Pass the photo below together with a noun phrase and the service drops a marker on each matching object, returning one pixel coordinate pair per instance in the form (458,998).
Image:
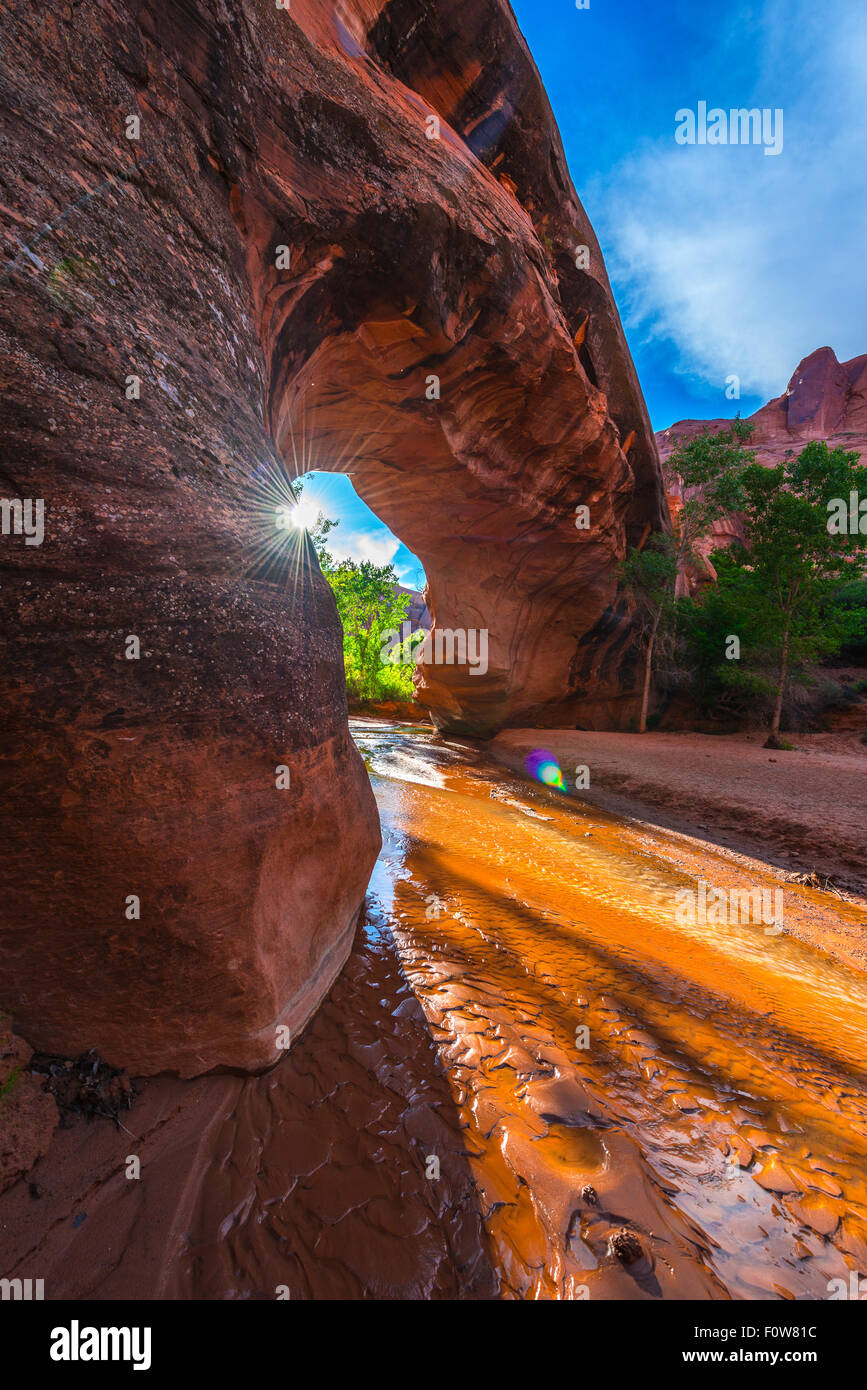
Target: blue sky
(724,261)
(360,535)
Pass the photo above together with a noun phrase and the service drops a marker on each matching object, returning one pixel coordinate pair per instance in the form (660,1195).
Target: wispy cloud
(360,534)
(740,263)
(378,547)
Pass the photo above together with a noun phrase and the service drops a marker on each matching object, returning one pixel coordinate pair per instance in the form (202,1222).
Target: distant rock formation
(825,399)
(239,239)
(417,614)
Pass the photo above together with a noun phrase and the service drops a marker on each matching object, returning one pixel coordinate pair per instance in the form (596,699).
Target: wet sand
(309,1178)
(804,809)
(720,1109)
(715,1108)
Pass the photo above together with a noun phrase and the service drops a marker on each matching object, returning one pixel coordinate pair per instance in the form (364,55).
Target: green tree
(786,577)
(369,606)
(852,597)
(649,577)
(709,468)
(707,623)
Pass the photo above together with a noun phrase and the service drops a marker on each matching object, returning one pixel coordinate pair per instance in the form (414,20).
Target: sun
(302,516)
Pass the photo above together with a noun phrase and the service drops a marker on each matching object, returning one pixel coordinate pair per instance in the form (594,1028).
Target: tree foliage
(792,594)
(780,592)
(368,605)
(710,468)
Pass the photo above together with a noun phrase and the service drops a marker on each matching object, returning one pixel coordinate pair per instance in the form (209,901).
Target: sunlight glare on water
(702,1087)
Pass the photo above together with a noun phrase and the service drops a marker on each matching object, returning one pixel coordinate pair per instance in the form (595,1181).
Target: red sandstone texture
(825,399)
(28,1116)
(279,263)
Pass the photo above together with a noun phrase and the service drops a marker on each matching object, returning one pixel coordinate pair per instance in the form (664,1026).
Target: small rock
(686,1103)
(625,1245)
(589,1195)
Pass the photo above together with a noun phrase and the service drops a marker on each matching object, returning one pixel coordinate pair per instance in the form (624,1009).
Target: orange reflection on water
(703,1087)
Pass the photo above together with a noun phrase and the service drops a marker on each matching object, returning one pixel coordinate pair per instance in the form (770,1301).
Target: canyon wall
(238,242)
(825,399)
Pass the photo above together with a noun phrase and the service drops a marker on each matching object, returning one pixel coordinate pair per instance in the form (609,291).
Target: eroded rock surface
(825,399)
(28,1116)
(311,1181)
(165,365)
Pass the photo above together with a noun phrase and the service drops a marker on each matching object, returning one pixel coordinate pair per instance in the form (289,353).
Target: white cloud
(743,262)
(379,548)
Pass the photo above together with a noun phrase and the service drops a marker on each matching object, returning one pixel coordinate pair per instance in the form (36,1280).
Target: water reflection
(703,1087)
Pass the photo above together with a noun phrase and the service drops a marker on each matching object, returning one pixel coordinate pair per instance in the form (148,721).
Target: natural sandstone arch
(466,272)
(154,778)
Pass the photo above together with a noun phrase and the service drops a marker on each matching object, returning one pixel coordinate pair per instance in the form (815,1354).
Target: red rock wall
(539,409)
(156,258)
(825,399)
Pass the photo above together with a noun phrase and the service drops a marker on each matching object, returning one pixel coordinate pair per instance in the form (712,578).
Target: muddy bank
(803,809)
(623,1106)
(310,1177)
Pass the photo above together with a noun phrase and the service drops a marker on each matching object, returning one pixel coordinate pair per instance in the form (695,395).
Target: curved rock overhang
(174,905)
(449,338)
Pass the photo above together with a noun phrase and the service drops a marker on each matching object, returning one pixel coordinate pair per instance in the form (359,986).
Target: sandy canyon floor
(530,1081)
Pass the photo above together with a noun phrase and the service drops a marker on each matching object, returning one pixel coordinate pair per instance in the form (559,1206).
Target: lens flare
(544,767)
(304,516)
